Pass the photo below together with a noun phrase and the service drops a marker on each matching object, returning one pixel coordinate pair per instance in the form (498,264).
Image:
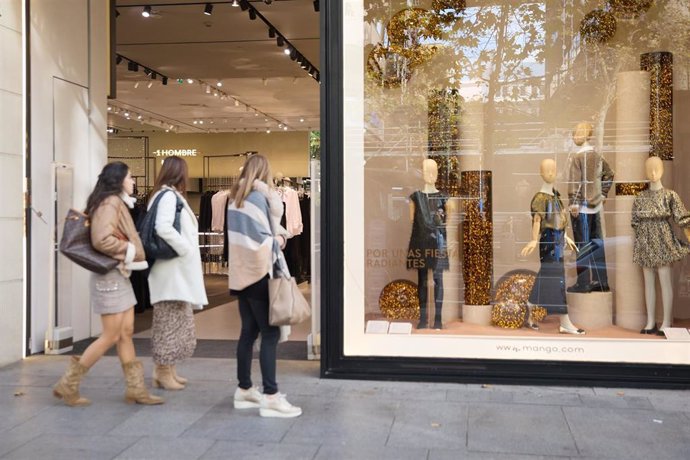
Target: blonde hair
(256,167)
(582,133)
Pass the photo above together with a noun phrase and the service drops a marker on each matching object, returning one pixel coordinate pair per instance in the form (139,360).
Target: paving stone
(474,395)
(10,440)
(442,454)
(223,450)
(617,402)
(223,422)
(335,452)
(158,421)
(543,397)
(166,448)
(430,425)
(343,422)
(519,429)
(629,434)
(70,447)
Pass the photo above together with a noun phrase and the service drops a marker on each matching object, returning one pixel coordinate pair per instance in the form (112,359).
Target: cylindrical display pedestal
(632,150)
(477,314)
(591,311)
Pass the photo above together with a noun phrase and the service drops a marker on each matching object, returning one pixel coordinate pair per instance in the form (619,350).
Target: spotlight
(271,33)
(136,85)
(147,11)
(268,131)
(237,103)
(244,5)
(316,5)
(126,114)
(150,84)
(280,41)
(201,122)
(235,3)
(118,59)
(268,2)
(208,9)
(316,75)
(190,81)
(132,66)
(252,14)
(285,128)
(148,72)
(117,14)
(110,108)
(208,89)
(301,120)
(196,122)
(153,75)
(219,84)
(293,54)
(287,51)
(165,81)
(139,117)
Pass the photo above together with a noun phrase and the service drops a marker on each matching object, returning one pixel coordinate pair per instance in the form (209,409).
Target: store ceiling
(179,41)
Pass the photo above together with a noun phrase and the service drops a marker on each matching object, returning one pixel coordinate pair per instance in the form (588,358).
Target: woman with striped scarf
(255,239)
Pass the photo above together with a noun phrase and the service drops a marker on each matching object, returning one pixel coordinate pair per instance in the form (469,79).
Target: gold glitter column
(477,229)
(631,151)
(660,67)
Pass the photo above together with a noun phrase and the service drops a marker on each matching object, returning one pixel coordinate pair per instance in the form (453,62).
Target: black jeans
(254,313)
(591,259)
(422,290)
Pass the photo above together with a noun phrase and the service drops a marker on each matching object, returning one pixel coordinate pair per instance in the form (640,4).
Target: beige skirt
(111,293)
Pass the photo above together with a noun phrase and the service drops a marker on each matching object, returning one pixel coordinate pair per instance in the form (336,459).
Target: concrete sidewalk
(342,419)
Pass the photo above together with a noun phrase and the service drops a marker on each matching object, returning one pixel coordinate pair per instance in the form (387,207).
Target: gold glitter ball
(509,314)
(538,314)
(629,9)
(598,26)
(516,287)
(399,300)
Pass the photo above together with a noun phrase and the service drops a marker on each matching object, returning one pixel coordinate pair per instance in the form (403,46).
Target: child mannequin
(656,246)
(549,220)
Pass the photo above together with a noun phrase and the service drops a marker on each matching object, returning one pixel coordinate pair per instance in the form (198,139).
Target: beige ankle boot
(136,389)
(179,379)
(67,387)
(163,377)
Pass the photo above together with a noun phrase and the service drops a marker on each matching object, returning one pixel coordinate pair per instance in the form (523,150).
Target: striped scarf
(253,251)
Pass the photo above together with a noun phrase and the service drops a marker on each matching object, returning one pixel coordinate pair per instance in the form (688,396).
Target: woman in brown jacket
(113,233)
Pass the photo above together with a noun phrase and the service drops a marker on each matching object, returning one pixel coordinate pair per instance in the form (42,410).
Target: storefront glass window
(500,201)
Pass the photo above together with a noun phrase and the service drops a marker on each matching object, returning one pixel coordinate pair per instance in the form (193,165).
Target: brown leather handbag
(76,244)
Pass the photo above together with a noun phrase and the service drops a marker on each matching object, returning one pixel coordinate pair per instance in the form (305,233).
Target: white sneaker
(247,399)
(278,406)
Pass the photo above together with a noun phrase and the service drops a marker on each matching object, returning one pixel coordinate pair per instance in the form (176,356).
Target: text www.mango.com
(539,349)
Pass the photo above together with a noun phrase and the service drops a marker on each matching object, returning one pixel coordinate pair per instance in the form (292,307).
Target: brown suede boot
(67,387)
(179,379)
(136,389)
(163,377)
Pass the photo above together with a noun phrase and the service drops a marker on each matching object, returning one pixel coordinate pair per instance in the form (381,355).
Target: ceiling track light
(118,59)
(132,66)
(252,14)
(147,11)
(235,3)
(316,6)
(165,81)
(219,84)
(268,2)
(244,5)
(208,9)
(271,32)
(293,54)
(280,41)
(287,51)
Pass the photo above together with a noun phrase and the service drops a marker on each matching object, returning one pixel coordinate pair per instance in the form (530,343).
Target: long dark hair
(173,174)
(109,183)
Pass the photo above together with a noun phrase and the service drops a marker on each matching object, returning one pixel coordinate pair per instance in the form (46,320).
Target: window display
(465,125)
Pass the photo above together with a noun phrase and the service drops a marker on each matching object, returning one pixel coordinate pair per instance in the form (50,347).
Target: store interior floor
(220,320)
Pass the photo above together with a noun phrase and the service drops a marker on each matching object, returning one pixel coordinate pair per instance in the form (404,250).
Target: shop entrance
(214,82)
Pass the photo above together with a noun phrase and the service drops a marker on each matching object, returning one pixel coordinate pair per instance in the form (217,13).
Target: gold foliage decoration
(630,188)
(444,138)
(598,26)
(660,66)
(399,299)
(629,9)
(477,237)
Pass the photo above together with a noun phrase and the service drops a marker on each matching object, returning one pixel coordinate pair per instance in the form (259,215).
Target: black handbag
(76,244)
(155,246)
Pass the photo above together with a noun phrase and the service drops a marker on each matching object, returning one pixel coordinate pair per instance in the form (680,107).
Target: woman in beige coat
(112,233)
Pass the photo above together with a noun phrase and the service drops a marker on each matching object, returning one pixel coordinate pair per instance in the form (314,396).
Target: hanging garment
(293,214)
(428,244)
(218,207)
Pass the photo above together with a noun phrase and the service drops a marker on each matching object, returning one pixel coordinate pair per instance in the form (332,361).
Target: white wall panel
(11,345)
(11,183)
(10,60)
(10,122)
(11,174)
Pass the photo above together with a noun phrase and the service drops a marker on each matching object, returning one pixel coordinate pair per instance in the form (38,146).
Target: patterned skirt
(174,337)
(656,245)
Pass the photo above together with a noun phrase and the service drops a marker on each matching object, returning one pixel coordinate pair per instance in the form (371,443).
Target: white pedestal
(591,311)
(477,314)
